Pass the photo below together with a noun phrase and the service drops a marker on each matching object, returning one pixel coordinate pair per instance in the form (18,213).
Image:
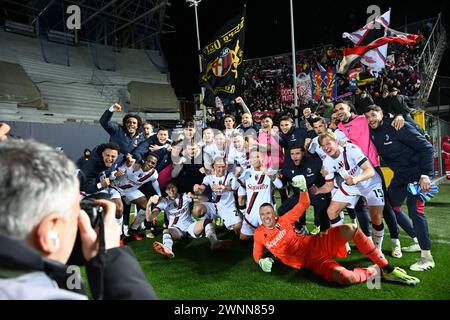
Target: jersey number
(378,193)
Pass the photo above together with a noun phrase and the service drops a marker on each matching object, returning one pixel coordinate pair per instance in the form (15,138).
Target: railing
(437,129)
(430,59)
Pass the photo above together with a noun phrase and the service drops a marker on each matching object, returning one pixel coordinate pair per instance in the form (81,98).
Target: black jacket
(119,134)
(94,168)
(122,274)
(405,151)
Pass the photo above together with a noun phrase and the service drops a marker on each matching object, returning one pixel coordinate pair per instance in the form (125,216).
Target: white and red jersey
(134,179)
(213,151)
(315,147)
(224,197)
(241,158)
(229,133)
(259,188)
(348,162)
(177,211)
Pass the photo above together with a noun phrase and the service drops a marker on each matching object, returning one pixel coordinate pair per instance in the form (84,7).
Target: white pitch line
(440,241)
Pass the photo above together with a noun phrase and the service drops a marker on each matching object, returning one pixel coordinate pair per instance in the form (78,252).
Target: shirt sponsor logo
(258,186)
(174,212)
(275,241)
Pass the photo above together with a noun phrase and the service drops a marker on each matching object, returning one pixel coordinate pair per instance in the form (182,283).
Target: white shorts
(250,223)
(351,194)
(113,193)
(229,215)
(242,191)
(131,194)
(188,233)
(182,223)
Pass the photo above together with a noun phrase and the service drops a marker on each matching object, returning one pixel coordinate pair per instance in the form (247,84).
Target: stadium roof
(129,23)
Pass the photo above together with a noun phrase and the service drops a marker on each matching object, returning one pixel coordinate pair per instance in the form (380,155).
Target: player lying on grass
(177,207)
(316,253)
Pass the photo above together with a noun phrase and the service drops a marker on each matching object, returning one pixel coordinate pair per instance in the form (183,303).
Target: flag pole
(195,4)
(294,69)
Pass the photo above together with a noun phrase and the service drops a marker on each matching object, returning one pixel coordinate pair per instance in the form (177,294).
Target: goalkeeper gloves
(414,189)
(266,264)
(299,182)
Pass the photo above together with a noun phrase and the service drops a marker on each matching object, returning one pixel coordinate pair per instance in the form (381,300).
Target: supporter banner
(257,115)
(353,73)
(271,73)
(222,59)
(364,78)
(304,86)
(324,84)
(342,96)
(303,90)
(286,94)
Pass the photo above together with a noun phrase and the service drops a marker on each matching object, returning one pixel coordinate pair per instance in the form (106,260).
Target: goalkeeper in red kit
(277,234)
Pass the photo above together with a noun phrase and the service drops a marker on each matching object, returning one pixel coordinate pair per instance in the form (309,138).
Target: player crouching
(181,224)
(316,253)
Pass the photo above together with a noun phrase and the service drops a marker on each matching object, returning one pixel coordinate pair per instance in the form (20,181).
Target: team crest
(386,138)
(222,64)
(256,177)
(227,60)
(309,170)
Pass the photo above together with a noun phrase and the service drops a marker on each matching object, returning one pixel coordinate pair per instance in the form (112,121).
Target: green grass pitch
(198,273)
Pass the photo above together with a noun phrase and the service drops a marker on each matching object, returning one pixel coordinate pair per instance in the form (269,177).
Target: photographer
(39,218)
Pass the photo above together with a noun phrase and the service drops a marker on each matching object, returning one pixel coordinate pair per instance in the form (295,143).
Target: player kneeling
(316,253)
(223,206)
(181,224)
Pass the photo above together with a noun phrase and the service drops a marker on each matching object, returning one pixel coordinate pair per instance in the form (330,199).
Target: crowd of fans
(263,78)
(203,179)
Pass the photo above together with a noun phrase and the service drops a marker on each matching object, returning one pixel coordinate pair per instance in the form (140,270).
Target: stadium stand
(79,92)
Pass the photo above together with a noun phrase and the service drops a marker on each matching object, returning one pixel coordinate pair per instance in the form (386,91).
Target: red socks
(347,277)
(367,248)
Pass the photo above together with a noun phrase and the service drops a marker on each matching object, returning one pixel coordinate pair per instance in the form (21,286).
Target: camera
(95,213)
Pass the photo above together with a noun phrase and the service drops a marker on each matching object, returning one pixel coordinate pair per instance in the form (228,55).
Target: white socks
(120,222)
(426,254)
(140,218)
(377,237)
(167,240)
(210,232)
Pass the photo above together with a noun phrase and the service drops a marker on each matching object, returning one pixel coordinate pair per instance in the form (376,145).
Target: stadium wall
(72,138)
